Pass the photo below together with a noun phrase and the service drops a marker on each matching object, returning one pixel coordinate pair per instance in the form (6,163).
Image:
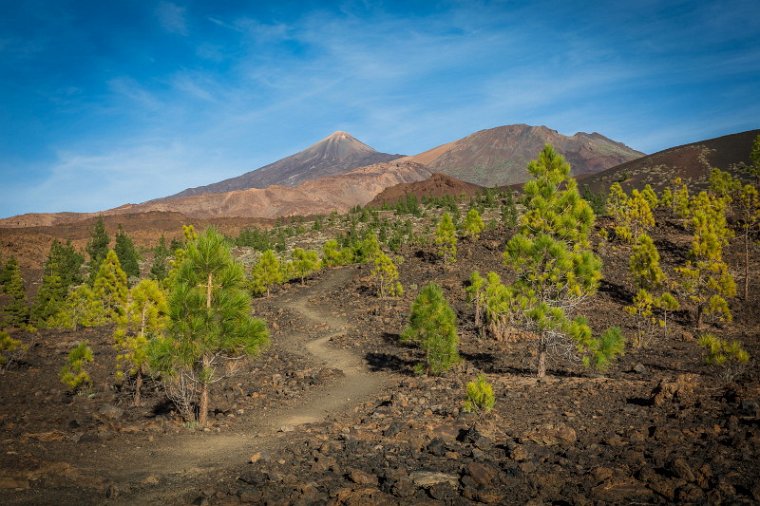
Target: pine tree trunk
(138,387)
(699,316)
(746,263)
(541,358)
(203,407)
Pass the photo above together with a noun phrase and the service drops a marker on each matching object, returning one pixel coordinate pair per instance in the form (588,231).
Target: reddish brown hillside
(436,185)
(691,162)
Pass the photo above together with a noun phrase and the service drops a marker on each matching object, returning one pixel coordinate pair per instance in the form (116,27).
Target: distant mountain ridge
(499,156)
(336,154)
(691,162)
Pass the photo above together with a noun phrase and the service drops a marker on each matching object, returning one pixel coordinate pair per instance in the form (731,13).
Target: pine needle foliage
(728,355)
(446,238)
(11,350)
(432,324)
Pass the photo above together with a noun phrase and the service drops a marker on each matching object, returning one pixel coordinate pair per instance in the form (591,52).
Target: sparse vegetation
(74,373)
(480,397)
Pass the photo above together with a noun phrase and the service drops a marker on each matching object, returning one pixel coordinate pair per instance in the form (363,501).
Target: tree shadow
(665,245)
(616,292)
(378,362)
(483,361)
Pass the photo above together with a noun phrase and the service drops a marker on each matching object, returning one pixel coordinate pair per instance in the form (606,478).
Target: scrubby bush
(11,350)
(729,356)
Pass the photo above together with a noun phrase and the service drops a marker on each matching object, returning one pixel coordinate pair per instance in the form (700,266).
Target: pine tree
(334,256)
(127,254)
(110,287)
(635,217)
(476,295)
(7,270)
(210,320)
(644,264)
(499,306)
(304,263)
(11,350)
(617,202)
(73,374)
(705,278)
(446,238)
(680,199)
(385,274)
(80,309)
(266,273)
(509,211)
(432,324)
(16,309)
(146,316)
(159,269)
(650,196)
(666,199)
(97,248)
(754,157)
(555,266)
(473,225)
(60,273)
(748,207)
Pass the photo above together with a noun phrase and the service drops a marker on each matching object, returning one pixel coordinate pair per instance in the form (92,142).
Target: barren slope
(499,156)
(336,154)
(691,162)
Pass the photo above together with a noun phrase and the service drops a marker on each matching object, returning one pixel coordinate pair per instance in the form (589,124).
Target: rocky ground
(333,412)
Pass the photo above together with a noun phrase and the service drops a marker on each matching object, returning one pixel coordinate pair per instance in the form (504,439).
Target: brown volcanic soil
(31,245)
(437,185)
(691,162)
(658,427)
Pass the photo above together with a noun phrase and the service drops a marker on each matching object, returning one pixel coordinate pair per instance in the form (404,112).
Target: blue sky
(105,103)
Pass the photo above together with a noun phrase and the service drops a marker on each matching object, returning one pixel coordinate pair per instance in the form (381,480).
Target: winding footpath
(175,460)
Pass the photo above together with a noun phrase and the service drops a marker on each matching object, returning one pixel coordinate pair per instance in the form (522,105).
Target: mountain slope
(499,156)
(336,154)
(437,185)
(320,196)
(691,162)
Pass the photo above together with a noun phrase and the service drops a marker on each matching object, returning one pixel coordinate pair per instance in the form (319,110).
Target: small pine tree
(705,278)
(637,217)
(333,255)
(97,247)
(446,238)
(266,273)
(110,287)
(159,269)
(480,397)
(473,225)
(554,263)
(644,264)
(16,310)
(730,356)
(304,263)
(681,199)
(509,211)
(433,325)
(74,374)
(60,273)
(475,294)
(145,317)
(754,157)
(385,274)
(210,320)
(616,204)
(650,196)
(499,306)
(127,254)
(748,207)
(6,270)
(666,199)
(80,309)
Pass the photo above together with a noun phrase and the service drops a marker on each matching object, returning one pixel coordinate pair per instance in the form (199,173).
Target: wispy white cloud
(172,17)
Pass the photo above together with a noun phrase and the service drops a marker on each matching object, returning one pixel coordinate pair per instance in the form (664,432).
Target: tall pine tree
(97,247)
(110,287)
(125,250)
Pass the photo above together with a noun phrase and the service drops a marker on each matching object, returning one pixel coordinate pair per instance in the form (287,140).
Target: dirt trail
(179,458)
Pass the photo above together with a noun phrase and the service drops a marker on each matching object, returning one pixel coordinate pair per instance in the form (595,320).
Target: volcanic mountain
(499,156)
(691,162)
(336,154)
